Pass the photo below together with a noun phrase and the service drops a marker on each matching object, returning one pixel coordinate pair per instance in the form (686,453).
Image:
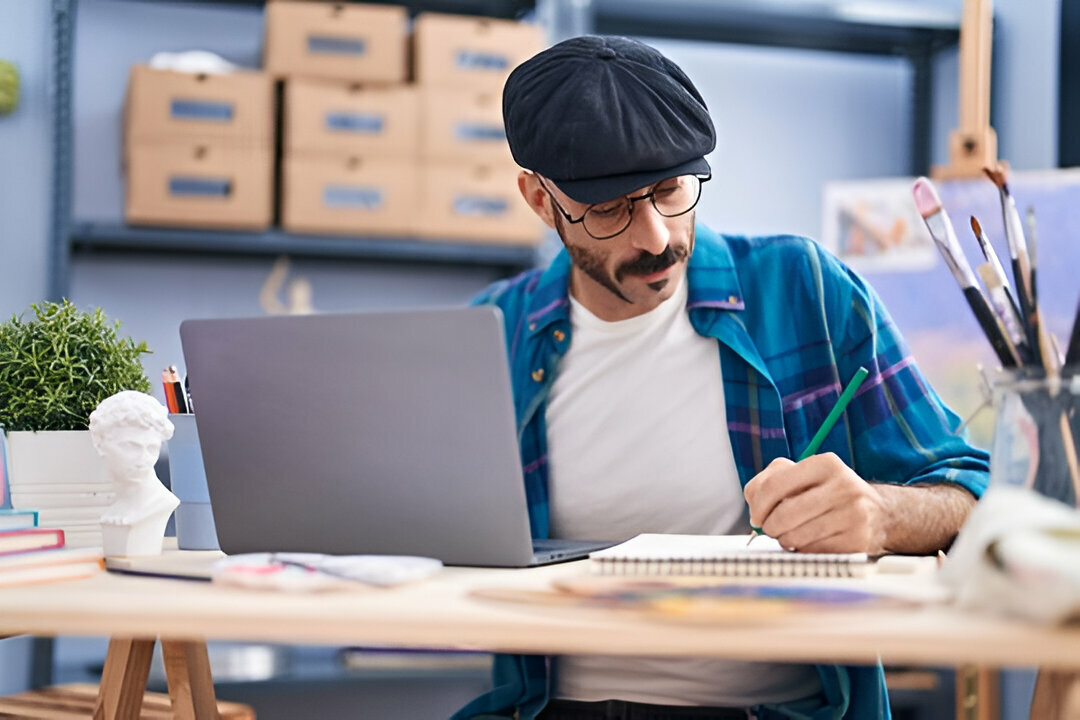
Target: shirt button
(532,327)
(733,299)
(559,335)
(538,374)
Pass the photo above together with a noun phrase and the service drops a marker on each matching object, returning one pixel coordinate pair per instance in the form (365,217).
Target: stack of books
(30,553)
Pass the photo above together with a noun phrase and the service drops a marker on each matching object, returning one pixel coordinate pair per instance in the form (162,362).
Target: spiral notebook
(728,555)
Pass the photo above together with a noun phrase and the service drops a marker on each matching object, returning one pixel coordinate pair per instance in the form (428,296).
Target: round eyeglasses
(671,197)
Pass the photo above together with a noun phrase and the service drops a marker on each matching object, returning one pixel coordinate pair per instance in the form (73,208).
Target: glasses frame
(650,196)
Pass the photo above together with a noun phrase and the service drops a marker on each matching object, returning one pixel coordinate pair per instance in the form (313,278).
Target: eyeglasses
(671,197)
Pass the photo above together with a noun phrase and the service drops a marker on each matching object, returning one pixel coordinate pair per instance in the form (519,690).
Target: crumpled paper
(1019,554)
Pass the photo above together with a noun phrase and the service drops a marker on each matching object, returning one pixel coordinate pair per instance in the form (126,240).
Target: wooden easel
(973,145)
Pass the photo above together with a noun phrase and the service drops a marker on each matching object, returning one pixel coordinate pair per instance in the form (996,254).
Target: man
(664,376)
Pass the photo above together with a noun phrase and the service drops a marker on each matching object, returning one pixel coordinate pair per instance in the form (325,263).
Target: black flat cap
(601,116)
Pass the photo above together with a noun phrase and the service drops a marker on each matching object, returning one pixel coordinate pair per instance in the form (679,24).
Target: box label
(352,197)
(473,132)
(201,110)
(330,45)
(479,206)
(475,60)
(188,186)
(354,122)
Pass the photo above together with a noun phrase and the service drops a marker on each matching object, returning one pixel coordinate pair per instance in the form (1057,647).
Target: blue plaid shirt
(793,326)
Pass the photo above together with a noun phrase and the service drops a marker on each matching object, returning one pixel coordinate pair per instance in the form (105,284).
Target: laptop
(372,433)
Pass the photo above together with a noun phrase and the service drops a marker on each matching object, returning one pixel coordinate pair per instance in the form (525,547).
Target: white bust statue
(127,429)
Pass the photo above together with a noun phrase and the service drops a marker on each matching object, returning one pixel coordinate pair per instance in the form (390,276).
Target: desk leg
(1057,695)
(191,687)
(978,693)
(123,682)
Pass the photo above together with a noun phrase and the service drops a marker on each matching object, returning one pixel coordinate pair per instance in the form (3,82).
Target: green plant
(57,367)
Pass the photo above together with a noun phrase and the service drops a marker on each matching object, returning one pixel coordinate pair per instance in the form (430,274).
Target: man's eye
(605,211)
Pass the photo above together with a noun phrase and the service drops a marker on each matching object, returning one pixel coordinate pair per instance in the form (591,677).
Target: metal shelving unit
(68,236)
(125,238)
(917,36)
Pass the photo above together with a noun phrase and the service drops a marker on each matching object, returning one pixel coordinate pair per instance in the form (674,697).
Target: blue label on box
(473,132)
(479,206)
(199,186)
(475,60)
(353,198)
(330,45)
(201,110)
(354,122)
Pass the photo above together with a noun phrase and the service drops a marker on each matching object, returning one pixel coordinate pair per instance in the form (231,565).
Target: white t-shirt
(638,442)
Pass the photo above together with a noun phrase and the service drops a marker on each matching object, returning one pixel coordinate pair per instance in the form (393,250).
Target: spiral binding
(754,566)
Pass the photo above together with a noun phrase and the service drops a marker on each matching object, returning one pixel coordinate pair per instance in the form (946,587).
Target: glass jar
(1036,433)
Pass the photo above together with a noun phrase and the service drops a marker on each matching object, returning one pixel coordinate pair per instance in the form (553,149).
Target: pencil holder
(1036,433)
(194,520)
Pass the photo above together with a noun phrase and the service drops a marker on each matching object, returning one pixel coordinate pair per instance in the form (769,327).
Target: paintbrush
(941,230)
(995,265)
(1018,252)
(1072,353)
(1047,344)
(1007,321)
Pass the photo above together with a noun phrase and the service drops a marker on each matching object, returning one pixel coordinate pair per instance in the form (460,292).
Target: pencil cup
(194,519)
(1036,433)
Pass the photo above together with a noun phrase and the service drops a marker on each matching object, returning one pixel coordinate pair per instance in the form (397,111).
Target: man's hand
(822,505)
(818,505)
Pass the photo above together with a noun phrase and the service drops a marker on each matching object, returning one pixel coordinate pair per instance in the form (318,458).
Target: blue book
(17,519)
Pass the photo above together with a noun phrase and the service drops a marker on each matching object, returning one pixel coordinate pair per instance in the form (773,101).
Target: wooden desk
(438,613)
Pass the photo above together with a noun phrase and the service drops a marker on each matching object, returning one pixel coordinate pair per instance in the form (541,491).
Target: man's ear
(537,197)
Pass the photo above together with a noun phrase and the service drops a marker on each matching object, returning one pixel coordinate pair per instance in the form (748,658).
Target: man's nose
(648,229)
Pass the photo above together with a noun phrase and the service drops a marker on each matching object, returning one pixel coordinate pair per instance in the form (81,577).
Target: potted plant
(54,370)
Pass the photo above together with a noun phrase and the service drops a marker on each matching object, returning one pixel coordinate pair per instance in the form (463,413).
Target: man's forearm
(923,519)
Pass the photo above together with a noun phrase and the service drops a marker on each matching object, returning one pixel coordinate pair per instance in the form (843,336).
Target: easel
(973,145)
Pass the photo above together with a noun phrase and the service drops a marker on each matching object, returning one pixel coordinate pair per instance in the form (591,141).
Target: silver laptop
(371,433)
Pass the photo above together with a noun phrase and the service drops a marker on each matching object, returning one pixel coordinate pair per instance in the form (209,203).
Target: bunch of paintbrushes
(1008,313)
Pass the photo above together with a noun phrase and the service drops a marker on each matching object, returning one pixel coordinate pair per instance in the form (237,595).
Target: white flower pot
(59,474)
(54,457)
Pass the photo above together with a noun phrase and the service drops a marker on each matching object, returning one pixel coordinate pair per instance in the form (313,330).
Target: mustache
(647,263)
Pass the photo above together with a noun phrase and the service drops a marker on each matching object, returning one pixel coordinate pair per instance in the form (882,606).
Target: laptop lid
(381,432)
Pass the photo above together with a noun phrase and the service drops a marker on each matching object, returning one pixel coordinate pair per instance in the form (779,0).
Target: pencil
(826,426)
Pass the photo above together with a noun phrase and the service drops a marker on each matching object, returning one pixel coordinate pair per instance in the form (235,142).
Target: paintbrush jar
(1036,433)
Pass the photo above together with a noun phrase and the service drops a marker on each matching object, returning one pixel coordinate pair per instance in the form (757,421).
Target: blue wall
(24,157)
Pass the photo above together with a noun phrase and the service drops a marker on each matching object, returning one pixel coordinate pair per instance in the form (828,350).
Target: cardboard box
(206,185)
(341,41)
(461,51)
(335,119)
(478,203)
(163,104)
(463,124)
(350,196)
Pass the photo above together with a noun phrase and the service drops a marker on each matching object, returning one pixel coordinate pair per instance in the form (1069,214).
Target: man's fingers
(845,527)
(797,510)
(783,479)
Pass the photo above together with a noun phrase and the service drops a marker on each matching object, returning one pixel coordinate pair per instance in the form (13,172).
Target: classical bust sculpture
(127,430)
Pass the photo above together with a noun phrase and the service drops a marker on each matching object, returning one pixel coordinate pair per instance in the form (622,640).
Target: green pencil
(826,426)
